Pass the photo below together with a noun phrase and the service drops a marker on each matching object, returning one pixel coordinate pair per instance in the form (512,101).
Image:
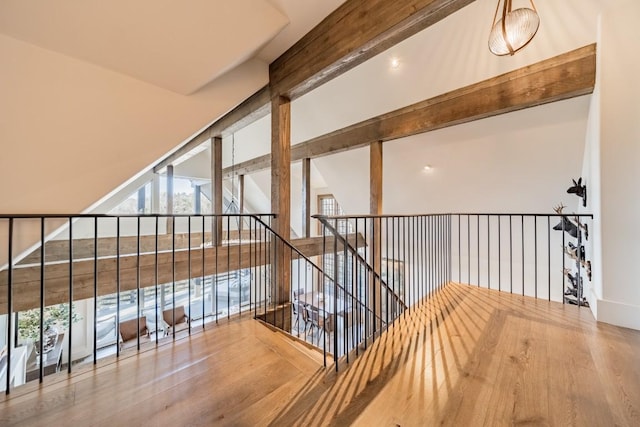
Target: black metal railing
(393,262)
(388,262)
(75,289)
(306,302)
(540,255)
(78,288)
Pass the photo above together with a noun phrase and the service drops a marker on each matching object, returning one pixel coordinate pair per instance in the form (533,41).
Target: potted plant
(56,317)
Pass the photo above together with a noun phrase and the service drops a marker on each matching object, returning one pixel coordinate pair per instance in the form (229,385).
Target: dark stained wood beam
(375,178)
(353,33)
(562,77)
(281,193)
(247,167)
(26,279)
(58,250)
(251,109)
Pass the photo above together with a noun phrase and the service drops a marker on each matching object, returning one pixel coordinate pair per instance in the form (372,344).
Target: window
(328,205)
(137,203)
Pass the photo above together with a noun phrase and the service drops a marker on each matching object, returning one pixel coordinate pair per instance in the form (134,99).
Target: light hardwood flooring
(466,357)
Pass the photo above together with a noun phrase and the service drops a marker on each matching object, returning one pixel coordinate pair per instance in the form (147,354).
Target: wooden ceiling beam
(250,110)
(353,33)
(562,77)
(26,280)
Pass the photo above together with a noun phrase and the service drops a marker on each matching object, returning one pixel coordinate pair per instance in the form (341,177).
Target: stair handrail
(324,219)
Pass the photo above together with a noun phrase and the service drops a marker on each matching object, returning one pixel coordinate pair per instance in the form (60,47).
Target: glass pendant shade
(514,30)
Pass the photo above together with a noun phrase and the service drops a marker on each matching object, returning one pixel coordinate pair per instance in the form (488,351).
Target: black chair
(300,310)
(324,324)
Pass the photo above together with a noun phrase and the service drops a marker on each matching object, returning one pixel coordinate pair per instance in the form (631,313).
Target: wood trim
(250,110)
(562,77)
(353,33)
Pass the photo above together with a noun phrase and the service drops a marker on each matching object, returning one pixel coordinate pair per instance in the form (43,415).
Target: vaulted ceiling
(174,45)
(191,64)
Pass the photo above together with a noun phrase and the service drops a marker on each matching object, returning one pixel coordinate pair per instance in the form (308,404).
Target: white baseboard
(619,314)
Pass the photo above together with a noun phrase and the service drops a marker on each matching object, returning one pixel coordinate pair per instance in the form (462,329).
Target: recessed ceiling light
(428,167)
(395,63)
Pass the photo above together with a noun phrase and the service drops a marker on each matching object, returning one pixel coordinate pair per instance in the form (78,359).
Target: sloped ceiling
(175,45)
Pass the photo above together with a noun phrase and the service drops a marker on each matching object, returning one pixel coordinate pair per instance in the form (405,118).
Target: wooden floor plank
(466,356)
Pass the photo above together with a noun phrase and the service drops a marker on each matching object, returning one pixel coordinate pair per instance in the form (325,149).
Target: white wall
(518,162)
(619,158)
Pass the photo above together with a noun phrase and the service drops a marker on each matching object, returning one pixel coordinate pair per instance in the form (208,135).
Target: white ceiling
(166,43)
(174,45)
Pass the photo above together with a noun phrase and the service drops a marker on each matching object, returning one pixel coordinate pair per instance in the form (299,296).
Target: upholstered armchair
(177,323)
(129,332)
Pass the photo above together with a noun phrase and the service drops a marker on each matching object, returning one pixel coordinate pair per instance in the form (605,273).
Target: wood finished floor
(467,357)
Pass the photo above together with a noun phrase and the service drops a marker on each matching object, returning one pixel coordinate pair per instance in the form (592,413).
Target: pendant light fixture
(514,30)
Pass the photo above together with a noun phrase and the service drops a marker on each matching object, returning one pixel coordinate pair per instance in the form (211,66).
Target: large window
(137,203)
(328,205)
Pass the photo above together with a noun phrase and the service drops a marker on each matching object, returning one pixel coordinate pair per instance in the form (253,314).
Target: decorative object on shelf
(574,293)
(570,299)
(574,280)
(575,252)
(583,226)
(574,290)
(568,226)
(575,221)
(579,190)
(514,30)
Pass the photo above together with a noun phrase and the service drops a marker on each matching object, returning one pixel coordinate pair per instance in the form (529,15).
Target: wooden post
(375,208)
(306,197)
(216,189)
(281,201)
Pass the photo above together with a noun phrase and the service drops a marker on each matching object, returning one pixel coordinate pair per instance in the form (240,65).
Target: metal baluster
(535,257)
(173,278)
(549,258)
(469,249)
(95,290)
(522,241)
(202,275)
(240,268)
(188,274)
(70,294)
(155,275)
(488,252)
(499,253)
(511,253)
(118,286)
(9,305)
